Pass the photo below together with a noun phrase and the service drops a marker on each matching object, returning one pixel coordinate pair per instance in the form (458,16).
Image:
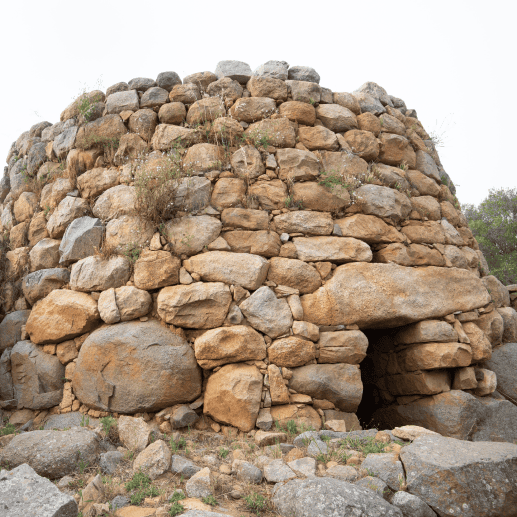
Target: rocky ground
(129,468)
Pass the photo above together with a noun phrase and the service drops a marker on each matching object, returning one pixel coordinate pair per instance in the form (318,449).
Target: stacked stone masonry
(304,231)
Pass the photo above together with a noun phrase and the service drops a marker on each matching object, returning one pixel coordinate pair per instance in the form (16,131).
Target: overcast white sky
(454,61)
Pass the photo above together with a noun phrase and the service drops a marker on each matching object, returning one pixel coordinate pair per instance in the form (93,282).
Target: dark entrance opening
(374,367)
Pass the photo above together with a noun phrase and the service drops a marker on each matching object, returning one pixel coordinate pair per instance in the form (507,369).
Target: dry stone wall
(240,242)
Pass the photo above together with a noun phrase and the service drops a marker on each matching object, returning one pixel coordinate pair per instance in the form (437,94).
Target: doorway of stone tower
(381,344)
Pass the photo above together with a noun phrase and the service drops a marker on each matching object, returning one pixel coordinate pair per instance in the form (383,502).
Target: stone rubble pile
(303,232)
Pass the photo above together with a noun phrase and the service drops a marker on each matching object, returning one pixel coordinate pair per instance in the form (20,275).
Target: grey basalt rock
(387,467)
(119,502)
(461,478)
(65,141)
(82,237)
(141,84)
(53,454)
(247,472)
(10,328)
(168,80)
(122,101)
(329,497)
(118,87)
(303,73)
(183,466)
(6,381)
(273,69)
(411,505)
(37,129)
(504,363)
(68,420)
(39,284)
(37,377)
(236,70)
(277,471)
(23,493)
(36,157)
(183,416)
(109,461)
(5,186)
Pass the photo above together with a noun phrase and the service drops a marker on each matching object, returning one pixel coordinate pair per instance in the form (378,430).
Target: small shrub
(132,252)
(85,421)
(141,485)
(223,452)
(8,429)
(256,503)
(210,500)
(181,443)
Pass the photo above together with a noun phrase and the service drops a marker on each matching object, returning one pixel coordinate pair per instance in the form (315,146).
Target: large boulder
(155,269)
(335,249)
(23,493)
(233,395)
(453,414)
(329,497)
(97,274)
(462,478)
(225,345)
(39,284)
(53,454)
(189,235)
(498,421)
(339,383)
(388,295)
(37,376)
(294,273)
(504,364)
(267,313)
(244,269)
(136,366)
(81,239)
(62,315)
(11,328)
(196,306)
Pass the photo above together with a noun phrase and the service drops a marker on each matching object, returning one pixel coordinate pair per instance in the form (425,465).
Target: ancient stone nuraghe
(256,246)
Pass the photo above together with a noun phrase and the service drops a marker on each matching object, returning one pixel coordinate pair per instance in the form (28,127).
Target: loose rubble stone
(485,472)
(200,484)
(134,433)
(387,467)
(154,460)
(277,471)
(247,472)
(109,462)
(52,454)
(326,497)
(24,493)
(183,466)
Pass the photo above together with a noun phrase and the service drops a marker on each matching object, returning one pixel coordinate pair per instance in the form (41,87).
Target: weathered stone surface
(300,112)
(122,101)
(267,313)
(418,383)
(37,377)
(236,70)
(426,165)
(344,472)
(430,356)
(503,363)
(244,269)
(291,352)
(52,454)
(278,132)
(318,197)
(154,460)
(264,243)
(228,193)
(62,315)
(344,346)
(304,91)
(334,249)
(308,222)
(39,284)
(103,129)
(82,237)
(412,255)
(498,292)
(134,433)
(492,324)
(329,497)
(336,118)
(245,218)
(297,165)
(166,136)
(454,414)
(45,254)
(204,110)
(128,232)
(172,113)
(509,316)
(97,274)
(202,158)
(498,422)
(199,305)
(277,388)
(318,137)
(10,328)
(270,195)
(383,202)
(124,304)
(411,505)
(183,466)
(277,471)
(484,474)
(233,396)
(294,273)
(369,228)
(386,466)
(246,472)
(24,493)
(154,97)
(251,109)
(479,343)
(69,209)
(339,383)
(363,144)
(136,366)
(395,295)
(115,202)
(247,162)
(189,235)
(229,345)
(95,181)
(155,269)
(425,332)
